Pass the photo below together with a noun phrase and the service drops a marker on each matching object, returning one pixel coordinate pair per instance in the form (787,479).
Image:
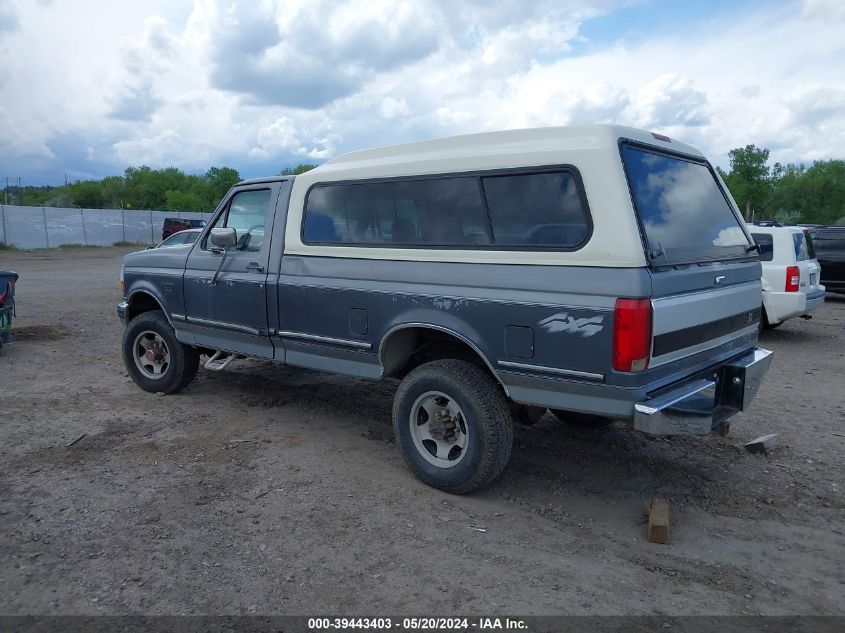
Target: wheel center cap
(154,354)
(443,426)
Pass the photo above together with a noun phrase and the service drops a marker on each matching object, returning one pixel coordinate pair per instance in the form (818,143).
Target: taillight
(631,334)
(793,278)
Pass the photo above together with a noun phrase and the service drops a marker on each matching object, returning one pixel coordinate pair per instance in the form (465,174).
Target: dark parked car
(829,242)
(174,225)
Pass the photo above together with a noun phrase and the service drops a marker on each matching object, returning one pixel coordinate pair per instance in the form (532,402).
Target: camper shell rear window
(684,214)
(537,209)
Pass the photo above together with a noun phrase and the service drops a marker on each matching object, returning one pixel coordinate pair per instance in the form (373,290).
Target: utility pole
(17,195)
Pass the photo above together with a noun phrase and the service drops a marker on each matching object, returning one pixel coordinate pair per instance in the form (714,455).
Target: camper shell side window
(540,208)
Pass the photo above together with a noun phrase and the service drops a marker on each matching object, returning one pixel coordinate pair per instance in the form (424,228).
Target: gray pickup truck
(601,272)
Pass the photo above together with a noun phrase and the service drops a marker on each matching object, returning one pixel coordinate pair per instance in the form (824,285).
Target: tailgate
(686,324)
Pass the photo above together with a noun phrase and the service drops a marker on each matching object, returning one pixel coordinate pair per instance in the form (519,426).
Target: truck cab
(599,272)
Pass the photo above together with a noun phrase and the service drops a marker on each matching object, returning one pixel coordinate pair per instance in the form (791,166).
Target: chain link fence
(49,227)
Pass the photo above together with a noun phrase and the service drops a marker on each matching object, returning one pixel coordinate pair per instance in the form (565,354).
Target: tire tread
(487,399)
(184,358)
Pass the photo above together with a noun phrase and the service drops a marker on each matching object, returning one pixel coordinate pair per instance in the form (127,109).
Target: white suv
(791,273)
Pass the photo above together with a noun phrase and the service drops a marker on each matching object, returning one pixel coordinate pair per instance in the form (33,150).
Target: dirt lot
(270,490)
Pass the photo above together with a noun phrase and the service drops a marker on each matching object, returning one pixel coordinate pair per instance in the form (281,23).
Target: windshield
(684,214)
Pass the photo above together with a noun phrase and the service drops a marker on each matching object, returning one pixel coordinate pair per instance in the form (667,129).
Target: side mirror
(224,237)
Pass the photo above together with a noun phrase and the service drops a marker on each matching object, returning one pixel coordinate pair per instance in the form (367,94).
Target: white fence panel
(138,227)
(104,226)
(65,226)
(45,227)
(24,226)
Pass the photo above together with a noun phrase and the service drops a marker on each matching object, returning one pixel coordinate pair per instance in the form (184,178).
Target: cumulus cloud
(307,54)
(134,96)
(268,84)
(8,18)
(135,102)
(20,137)
(283,136)
(825,9)
(671,100)
(391,108)
(159,149)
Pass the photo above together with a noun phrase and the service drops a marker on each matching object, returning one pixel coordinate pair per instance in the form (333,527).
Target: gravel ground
(270,490)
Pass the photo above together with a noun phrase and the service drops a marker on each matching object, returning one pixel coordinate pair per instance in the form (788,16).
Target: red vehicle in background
(174,225)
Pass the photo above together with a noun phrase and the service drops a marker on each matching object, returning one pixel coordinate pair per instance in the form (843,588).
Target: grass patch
(71,247)
(137,244)
(61,247)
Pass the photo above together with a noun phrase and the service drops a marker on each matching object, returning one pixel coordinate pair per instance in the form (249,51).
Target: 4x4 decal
(562,322)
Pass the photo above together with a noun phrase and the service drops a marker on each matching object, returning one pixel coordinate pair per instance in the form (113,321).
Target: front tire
(155,360)
(453,424)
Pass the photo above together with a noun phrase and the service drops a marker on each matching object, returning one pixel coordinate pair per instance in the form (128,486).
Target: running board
(219,361)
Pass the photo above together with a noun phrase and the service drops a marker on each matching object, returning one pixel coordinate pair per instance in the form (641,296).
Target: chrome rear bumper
(698,406)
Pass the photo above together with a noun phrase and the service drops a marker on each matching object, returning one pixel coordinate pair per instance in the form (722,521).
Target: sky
(89,87)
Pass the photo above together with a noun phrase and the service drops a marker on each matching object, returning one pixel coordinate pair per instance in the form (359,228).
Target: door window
(247,214)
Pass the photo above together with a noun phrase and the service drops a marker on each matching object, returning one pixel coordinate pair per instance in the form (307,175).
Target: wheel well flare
(140,302)
(404,348)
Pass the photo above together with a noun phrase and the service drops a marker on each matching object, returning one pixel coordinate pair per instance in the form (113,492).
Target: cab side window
(247,214)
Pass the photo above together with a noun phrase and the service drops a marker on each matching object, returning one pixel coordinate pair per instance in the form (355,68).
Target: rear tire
(453,424)
(154,358)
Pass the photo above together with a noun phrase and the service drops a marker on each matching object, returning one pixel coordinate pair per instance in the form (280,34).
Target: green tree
(114,192)
(36,196)
(183,201)
(750,179)
(87,194)
(218,180)
(143,189)
(299,169)
(811,194)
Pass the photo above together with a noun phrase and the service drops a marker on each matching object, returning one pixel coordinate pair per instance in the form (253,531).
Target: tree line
(794,193)
(789,193)
(167,189)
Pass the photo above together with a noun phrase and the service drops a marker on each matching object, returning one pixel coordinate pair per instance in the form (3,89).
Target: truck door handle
(255,267)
